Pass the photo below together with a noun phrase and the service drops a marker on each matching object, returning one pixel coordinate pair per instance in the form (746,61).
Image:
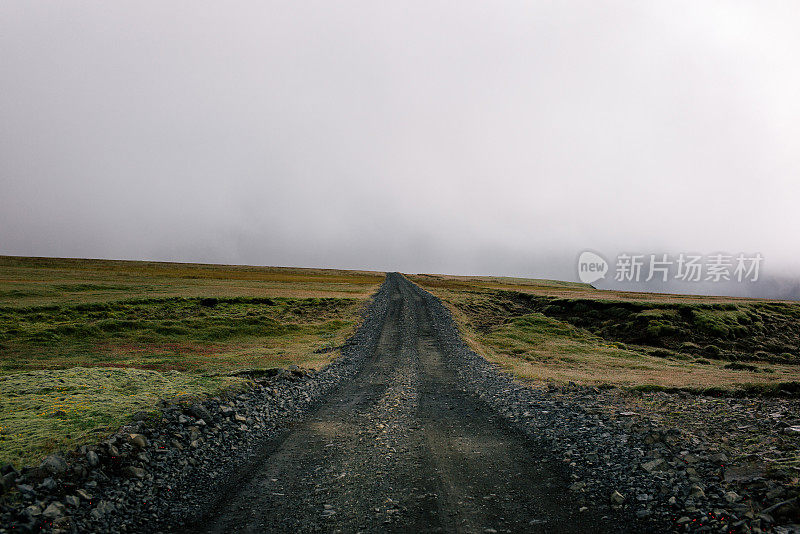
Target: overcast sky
(459,137)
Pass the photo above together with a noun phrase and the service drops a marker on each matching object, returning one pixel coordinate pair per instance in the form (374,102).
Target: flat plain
(457,403)
(548,331)
(86,344)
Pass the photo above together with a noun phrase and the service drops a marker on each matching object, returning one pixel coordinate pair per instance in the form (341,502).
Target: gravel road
(408,431)
(403,446)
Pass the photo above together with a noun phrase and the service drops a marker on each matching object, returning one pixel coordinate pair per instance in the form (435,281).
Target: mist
(477,138)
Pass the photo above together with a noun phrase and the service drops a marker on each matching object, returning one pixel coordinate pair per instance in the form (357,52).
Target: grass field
(85,344)
(52,281)
(545,330)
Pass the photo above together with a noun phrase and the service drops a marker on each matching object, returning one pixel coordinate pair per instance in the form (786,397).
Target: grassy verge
(190,335)
(85,344)
(42,411)
(531,329)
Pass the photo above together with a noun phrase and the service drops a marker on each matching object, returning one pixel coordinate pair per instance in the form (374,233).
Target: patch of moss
(43,411)
(736,366)
(142,332)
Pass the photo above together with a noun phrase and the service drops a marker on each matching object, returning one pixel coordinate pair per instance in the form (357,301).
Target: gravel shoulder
(157,474)
(628,457)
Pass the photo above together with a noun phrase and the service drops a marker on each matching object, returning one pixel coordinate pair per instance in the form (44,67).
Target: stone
(134,472)
(26,489)
(198,411)
(72,500)
(62,525)
(137,440)
(653,465)
(54,465)
(744,474)
(719,458)
(617,498)
(7,482)
(54,511)
(577,486)
(92,459)
(697,491)
(47,485)
(732,497)
(102,509)
(33,510)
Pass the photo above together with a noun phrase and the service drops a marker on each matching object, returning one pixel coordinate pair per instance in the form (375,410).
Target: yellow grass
(550,350)
(43,281)
(84,344)
(557,288)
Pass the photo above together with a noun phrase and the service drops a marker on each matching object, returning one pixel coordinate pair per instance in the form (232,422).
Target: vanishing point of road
(402,447)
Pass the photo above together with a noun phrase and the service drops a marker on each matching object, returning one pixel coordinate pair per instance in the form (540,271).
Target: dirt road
(402,447)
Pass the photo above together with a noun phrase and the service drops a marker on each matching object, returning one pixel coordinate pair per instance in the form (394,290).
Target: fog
(469,137)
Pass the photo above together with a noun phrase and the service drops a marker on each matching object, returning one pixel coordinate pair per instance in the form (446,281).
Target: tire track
(403,447)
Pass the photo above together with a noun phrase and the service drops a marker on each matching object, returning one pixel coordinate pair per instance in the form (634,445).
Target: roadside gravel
(626,460)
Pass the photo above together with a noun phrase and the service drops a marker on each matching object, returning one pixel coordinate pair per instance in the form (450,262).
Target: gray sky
(457,137)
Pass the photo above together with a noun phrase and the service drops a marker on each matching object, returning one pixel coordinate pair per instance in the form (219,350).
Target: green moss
(527,334)
(736,366)
(659,313)
(649,388)
(171,321)
(43,411)
(657,329)
(724,322)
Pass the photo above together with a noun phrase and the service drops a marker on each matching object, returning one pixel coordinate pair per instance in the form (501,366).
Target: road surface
(402,447)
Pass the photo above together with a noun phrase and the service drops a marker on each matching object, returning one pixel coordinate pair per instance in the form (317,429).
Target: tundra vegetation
(86,345)
(547,331)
